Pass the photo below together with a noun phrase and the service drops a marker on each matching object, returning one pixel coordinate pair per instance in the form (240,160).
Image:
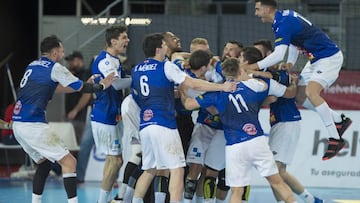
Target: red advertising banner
(344,94)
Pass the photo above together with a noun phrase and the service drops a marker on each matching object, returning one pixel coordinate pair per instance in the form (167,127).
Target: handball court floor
(16,191)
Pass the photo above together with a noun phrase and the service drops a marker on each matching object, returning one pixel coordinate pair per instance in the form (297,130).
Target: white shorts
(39,142)
(161,148)
(241,157)
(107,138)
(207,146)
(130,113)
(324,71)
(283,139)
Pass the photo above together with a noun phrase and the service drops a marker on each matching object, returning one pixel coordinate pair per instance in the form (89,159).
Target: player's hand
(229,86)
(294,79)
(108,80)
(286,66)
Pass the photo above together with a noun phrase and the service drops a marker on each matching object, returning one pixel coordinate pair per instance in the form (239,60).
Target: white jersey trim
(173,73)
(62,75)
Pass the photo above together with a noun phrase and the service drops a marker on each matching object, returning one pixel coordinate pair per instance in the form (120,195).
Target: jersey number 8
(25,78)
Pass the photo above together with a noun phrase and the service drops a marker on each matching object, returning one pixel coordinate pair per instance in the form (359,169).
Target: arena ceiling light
(109,21)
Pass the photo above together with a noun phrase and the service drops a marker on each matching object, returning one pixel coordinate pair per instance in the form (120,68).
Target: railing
(104,13)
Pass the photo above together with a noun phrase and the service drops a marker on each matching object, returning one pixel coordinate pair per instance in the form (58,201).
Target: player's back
(36,89)
(155,94)
(239,111)
(293,28)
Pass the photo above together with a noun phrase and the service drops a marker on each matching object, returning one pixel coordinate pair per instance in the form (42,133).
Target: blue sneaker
(317,200)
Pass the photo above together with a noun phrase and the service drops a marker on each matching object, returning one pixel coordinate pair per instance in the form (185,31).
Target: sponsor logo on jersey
(250,129)
(17,107)
(148,115)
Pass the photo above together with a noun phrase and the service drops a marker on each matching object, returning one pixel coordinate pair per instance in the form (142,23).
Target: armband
(91,88)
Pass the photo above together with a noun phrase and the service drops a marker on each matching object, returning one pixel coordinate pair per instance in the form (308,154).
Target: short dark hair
(151,42)
(199,58)
(49,43)
(230,67)
(113,32)
(74,54)
(239,44)
(266,44)
(272,3)
(252,54)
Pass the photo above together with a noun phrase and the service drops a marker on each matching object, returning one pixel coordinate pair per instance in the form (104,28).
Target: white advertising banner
(342,171)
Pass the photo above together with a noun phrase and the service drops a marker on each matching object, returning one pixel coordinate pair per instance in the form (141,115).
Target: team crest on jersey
(148,114)
(250,129)
(17,107)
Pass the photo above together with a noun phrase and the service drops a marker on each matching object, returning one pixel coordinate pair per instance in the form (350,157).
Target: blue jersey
(37,87)
(107,103)
(291,28)
(215,75)
(284,110)
(238,110)
(153,85)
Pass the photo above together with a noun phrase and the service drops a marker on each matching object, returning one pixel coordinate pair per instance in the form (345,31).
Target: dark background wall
(18,35)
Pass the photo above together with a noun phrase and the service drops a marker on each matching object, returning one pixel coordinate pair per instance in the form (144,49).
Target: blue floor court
(20,191)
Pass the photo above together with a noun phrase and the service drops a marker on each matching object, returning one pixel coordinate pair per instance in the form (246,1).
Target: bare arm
(203,85)
(83,101)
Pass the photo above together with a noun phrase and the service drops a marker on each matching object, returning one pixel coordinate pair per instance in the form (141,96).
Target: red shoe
(343,125)
(334,147)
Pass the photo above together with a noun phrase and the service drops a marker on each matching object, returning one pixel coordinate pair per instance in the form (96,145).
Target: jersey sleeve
(286,28)
(173,73)
(107,66)
(63,76)
(276,89)
(255,85)
(208,99)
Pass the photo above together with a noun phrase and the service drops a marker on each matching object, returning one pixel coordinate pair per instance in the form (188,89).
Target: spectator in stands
(76,102)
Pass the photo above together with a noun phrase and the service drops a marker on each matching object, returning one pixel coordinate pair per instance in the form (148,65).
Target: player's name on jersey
(40,63)
(146,67)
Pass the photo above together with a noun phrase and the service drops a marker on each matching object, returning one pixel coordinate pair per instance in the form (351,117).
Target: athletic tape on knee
(209,187)
(161,184)
(190,188)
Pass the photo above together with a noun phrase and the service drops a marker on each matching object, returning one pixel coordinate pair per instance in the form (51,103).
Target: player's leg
(68,167)
(236,194)
(111,147)
(143,184)
(199,143)
(161,185)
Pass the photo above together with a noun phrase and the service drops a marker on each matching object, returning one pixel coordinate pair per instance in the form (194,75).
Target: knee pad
(246,193)
(190,188)
(209,187)
(161,184)
(129,169)
(221,181)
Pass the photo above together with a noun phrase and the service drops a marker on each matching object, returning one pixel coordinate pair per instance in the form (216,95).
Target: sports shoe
(317,200)
(117,199)
(334,146)
(343,125)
